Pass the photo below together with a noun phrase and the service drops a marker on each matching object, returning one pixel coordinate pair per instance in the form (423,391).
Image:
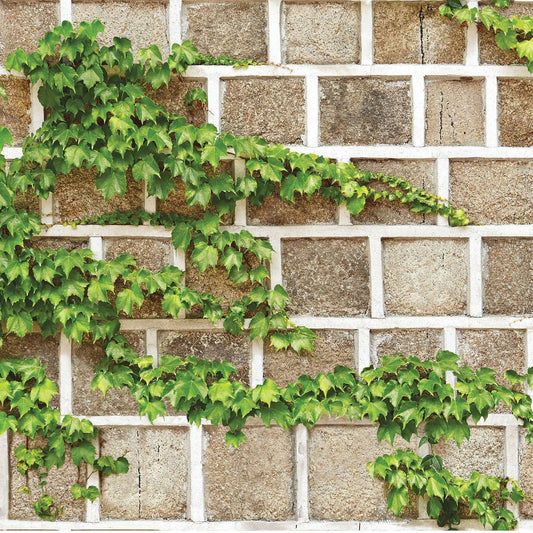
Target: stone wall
(389,85)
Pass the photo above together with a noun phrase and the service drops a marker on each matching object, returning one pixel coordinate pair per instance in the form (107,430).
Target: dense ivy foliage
(99,117)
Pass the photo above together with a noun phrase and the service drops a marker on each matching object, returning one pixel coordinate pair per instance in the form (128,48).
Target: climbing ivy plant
(98,116)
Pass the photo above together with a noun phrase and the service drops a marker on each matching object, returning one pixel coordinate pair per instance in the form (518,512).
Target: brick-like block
(76,196)
(493,191)
(234,29)
(340,487)
(55,243)
(272,108)
(426,37)
(365,111)
(332,348)
(152,254)
(423,343)
(58,485)
(15,112)
(208,345)
(515,113)
(525,459)
(143,23)
(425,276)
(455,112)
(508,276)
(321,33)
(24,23)
(89,402)
(155,487)
(327,277)
(252,483)
(420,173)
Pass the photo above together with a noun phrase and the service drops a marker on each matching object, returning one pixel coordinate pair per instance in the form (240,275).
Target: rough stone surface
(252,483)
(143,23)
(152,254)
(156,485)
(423,343)
(77,197)
(54,243)
(230,28)
(15,112)
(321,33)
(209,345)
(24,23)
(326,277)
(437,269)
(339,485)
(332,348)
(455,112)
(27,201)
(508,276)
(493,191)
(272,108)
(420,173)
(365,111)
(515,112)
(425,37)
(525,458)
(89,402)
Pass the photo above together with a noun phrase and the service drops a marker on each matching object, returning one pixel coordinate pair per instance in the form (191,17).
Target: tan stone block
(155,487)
(425,37)
(525,460)
(27,201)
(234,29)
(507,276)
(152,254)
(321,33)
(272,108)
(15,112)
(515,112)
(252,483)
(425,276)
(365,111)
(326,277)
(455,112)
(55,243)
(332,348)
(420,173)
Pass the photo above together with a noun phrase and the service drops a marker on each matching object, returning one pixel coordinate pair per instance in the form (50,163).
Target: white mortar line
(213,100)
(256,366)
(491,111)
(4,477)
(96,245)
(239,171)
(65,375)
(418,92)
(472,44)
(377,306)
(178,260)
(36,109)
(367,33)
(152,347)
(363,349)
(475,281)
(450,344)
(197,501)
(174,21)
(92,509)
(150,202)
(276,276)
(312,111)
(65,10)
(274,31)
(301,437)
(443,185)
(46,206)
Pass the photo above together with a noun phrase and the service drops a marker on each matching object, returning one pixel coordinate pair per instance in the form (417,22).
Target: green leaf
(508,40)
(83,451)
(204,256)
(19,324)
(111,182)
(397,500)
(259,326)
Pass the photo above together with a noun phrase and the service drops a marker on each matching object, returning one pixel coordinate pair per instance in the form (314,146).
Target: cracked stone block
(515,114)
(425,37)
(332,348)
(15,112)
(321,33)
(437,268)
(211,27)
(455,112)
(326,277)
(508,276)
(420,173)
(155,487)
(254,482)
(365,111)
(272,108)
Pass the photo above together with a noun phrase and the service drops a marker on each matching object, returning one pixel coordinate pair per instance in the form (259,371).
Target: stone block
(234,29)
(27,201)
(420,173)
(332,348)
(525,461)
(15,112)
(365,111)
(425,276)
(252,483)
(55,243)
(455,112)
(326,277)
(152,254)
(515,112)
(321,33)
(155,487)
(272,108)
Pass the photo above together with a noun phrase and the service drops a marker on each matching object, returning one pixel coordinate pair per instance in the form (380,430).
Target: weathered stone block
(420,173)
(326,277)
(332,348)
(425,276)
(152,254)
(272,108)
(15,112)
(321,33)
(365,111)
(27,201)
(234,29)
(515,112)
(455,112)
(155,488)
(252,483)
(55,243)
(525,458)
(507,276)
